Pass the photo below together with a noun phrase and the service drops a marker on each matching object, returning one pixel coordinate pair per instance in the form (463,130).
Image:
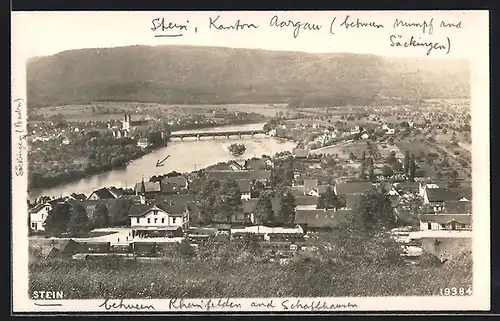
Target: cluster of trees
(218,201)
(367,168)
(283,173)
(410,165)
(73,218)
(51,163)
(329,200)
(264,213)
(65,218)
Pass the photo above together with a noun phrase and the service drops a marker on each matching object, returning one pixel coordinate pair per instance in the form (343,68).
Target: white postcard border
(480,300)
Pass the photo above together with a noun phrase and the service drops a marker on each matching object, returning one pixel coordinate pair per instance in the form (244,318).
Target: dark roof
(447,218)
(448,194)
(296,190)
(237,175)
(79,196)
(306,200)
(249,205)
(321,218)
(174,209)
(168,188)
(411,187)
(310,183)
(457,207)
(172,204)
(245,185)
(322,188)
(150,187)
(179,181)
(103,193)
(353,188)
(300,152)
(352,200)
(256,164)
(176,198)
(37,208)
(116,191)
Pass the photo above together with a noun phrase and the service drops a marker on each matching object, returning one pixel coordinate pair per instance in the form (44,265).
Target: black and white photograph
(289,161)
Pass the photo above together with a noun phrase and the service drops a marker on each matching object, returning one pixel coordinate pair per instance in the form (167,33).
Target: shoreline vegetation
(37,181)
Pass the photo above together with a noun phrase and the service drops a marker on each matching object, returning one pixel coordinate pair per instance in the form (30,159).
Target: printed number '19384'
(455,291)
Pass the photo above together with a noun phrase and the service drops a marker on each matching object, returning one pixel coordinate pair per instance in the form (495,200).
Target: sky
(47,33)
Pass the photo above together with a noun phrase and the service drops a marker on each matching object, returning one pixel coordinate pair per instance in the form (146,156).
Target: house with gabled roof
(436,197)
(159,219)
(77,196)
(306,202)
(178,183)
(101,194)
(245,186)
(150,189)
(39,213)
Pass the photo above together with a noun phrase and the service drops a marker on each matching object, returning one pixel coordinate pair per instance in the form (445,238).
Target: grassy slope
(180,74)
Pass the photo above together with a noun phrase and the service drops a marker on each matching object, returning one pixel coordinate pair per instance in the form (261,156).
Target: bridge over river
(222,133)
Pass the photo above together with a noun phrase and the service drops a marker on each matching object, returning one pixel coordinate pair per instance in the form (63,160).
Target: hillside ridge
(213,75)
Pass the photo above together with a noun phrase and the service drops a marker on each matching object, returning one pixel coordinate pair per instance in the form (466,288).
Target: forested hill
(192,75)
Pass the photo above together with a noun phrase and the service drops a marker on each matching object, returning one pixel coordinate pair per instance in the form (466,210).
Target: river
(185,156)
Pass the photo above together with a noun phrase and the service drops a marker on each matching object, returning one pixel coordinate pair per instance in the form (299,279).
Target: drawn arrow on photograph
(160,163)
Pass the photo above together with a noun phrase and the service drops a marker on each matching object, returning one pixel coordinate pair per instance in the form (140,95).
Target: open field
(115,110)
(243,276)
(344,150)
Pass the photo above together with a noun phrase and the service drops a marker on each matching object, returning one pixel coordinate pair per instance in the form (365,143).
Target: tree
(155,139)
(375,211)
(331,200)
(387,171)
(287,208)
(58,218)
(263,211)
(371,169)
(288,173)
(413,167)
(101,216)
(228,201)
(79,221)
(407,162)
(207,200)
(363,166)
(118,212)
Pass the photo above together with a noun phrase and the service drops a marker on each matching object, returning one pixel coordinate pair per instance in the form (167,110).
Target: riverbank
(38,181)
(185,157)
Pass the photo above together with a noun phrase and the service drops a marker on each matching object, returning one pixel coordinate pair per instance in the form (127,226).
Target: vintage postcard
(314,161)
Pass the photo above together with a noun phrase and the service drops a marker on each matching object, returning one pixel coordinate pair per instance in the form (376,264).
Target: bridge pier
(198,137)
(251,134)
(239,135)
(227,136)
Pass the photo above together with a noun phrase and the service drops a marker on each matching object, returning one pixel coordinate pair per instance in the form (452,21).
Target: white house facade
(158,220)
(38,215)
